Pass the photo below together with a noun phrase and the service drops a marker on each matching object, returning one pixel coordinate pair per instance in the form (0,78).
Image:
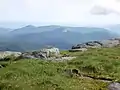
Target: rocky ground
(54,53)
(97,44)
(94,69)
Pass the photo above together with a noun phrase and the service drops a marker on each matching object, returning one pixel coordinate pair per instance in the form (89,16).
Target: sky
(63,12)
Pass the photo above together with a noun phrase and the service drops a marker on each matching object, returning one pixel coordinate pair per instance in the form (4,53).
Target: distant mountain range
(31,37)
(114,28)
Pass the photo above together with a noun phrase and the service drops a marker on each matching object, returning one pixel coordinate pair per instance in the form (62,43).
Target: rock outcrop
(114,86)
(42,54)
(111,42)
(97,44)
(34,55)
(91,44)
(76,50)
(4,54)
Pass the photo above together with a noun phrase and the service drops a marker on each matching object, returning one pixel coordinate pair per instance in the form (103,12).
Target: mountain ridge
(32,37)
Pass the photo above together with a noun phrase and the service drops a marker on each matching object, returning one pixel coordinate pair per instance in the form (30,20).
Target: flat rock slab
(61,59)
(9,53)
(78,50)
(114,86)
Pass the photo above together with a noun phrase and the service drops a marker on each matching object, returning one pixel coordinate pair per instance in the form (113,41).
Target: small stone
(114,86)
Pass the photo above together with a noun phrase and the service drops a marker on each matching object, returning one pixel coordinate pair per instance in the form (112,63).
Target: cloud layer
(99,10)
(60,11)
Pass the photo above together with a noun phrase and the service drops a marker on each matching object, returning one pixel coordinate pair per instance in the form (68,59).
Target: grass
(47,75)
(99,62)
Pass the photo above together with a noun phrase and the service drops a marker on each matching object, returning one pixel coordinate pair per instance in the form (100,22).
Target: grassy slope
(46,75)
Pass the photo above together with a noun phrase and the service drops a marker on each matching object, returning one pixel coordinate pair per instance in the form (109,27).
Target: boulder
(98,44)
(94,44)
(4,54)
(110,43)
(84,46)
(71,72)
(34,55)
(52,51)
(42,54)
(114,86)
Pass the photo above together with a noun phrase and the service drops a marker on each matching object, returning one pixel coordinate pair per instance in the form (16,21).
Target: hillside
(32,29)
(43,75)
(32,38)
(115,28)
(4,31)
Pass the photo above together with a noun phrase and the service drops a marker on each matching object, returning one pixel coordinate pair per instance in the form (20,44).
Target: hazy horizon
(59,12)
(15,25)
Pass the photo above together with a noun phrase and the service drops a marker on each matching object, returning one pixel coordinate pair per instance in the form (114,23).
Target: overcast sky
(79,12)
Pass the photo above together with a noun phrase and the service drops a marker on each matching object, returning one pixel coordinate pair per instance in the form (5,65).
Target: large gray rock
(34,55)
(114,86)
(52,51)
(91,44)
(98,44)
(77,50)
(42,54)
(110,43)
(4,54)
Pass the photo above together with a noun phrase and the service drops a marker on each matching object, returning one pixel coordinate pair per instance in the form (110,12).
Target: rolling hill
(31,37)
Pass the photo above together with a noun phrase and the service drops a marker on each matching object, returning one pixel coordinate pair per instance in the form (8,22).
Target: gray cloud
(99,10)
(118,0)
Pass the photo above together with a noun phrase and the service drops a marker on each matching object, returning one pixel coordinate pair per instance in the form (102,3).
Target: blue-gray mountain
(31,37)
(114,28)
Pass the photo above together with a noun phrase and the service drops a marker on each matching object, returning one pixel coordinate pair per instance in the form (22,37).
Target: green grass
(99,62)
(42,75)
(47,75)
